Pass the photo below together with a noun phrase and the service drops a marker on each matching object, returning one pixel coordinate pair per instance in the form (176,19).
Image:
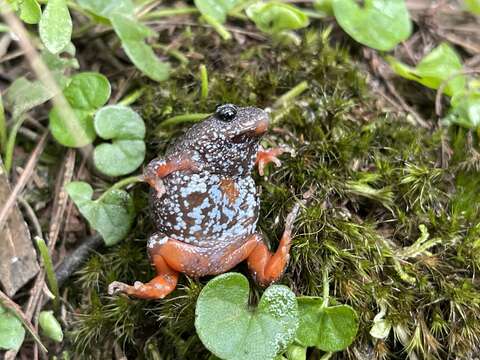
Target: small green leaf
(473,6)
(436,67)
(29,11)
(379,24)
(88,91)
(328,328)
(133,35)
(23,95)
(274,17)
(217,9)
(105,8)
(72,129)
(111,215)
(55,26)
(12,332)
(465,110)
(126,129)
(231,329)
(50,326)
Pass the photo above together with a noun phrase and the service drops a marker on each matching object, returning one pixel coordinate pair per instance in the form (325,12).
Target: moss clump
(392,225)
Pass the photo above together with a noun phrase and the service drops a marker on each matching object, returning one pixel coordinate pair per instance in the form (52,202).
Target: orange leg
(265,157)
(157,288)
(268,267)
(157,169)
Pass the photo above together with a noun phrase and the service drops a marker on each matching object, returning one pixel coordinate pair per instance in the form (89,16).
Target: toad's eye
(226,112)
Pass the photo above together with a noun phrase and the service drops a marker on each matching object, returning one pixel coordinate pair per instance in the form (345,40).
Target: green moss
(377,179)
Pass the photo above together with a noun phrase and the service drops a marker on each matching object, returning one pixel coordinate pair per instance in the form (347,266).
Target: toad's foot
(264,157)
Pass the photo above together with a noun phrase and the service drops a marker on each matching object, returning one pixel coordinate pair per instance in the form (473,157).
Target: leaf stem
(326,288)
(172,52)
(219,28)
(3,127)
(326,356)
(121,184)
(10,145)
(179,119)
(204,82)
(50,272)
(291,94)
(132,97)
(170,12)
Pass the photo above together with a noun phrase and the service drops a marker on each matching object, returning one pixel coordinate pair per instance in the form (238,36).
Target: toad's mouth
(251,134)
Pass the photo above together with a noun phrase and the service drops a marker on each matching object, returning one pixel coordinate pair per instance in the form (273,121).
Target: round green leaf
(379,24)
(217,9)
(465,110)
(231,329)
(126,129)
(12,332)
(111,215)
(50,326)
(275,17)
(328,328)
(55,26)
(119,122)
(105,8)
(72,129)
(88,91)
(119,158)
(436,67)
(30,11)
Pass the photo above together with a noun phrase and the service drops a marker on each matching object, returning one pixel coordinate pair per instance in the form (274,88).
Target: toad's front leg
(160,168)
(264,157)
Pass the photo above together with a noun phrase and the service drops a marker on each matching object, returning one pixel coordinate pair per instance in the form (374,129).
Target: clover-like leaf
(126,129)
(23,95)
(88,91)
(85,93)
(133,35)
(435,68)
(12,332)
(231,329)
(379,24)
(275,17)
(55,26)
(50,326)
(327,328)
(111,214)
(217,9)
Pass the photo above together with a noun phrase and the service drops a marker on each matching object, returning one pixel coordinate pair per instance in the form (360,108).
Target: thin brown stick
(23,180)
(17,310)
(441,88)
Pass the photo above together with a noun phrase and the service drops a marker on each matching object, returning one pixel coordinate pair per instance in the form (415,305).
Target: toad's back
(206,210)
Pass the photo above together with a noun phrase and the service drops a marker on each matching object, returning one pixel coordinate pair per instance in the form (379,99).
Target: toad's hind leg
(157,288)
(268,267)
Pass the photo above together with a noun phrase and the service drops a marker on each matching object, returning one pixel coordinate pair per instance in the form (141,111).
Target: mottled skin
(205,206)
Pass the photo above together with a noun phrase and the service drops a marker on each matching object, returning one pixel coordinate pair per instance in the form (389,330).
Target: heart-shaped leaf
(55,26)
(88,91)
(50,326)
(85,93)
(379,24)
(275,17)
(133,35)
(327,328)
(12,332)
(111,215)
(231,329)
(126,129)
(217,9)
(436,67)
